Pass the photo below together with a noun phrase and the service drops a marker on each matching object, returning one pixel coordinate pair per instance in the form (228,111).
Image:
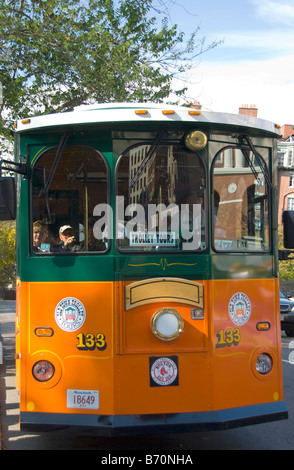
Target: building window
(281,157)
(290,204)
(290,157)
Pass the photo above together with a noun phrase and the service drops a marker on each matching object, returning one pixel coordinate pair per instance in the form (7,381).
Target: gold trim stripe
(163,264)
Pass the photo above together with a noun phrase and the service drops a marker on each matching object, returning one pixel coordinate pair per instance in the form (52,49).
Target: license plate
(87,399)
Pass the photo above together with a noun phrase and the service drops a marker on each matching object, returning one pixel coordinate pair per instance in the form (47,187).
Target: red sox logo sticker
(163,371)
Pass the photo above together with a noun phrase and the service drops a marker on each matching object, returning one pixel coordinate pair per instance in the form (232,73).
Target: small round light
(195,140)
(264,364)
(167,324)
(43,371)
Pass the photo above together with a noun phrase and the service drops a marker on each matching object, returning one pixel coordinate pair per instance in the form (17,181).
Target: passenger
(68,239)
(40,233)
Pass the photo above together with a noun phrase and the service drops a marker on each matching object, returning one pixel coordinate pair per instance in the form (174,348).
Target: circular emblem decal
(70,314)
(164,371)
(240,309)
(232,188)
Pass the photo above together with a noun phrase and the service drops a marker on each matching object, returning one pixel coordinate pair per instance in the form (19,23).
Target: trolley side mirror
(7,198)
(288,223)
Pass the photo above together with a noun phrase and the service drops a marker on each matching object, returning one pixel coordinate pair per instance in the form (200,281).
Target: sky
(254,65)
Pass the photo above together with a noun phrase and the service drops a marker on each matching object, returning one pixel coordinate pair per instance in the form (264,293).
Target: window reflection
(160,193)
(240,201)
(63,216)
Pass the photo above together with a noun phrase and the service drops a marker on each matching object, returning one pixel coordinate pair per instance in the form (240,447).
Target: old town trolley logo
(70,314)
(240,308)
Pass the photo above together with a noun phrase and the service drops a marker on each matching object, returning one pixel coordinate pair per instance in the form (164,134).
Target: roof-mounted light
(168,111)
(194,112)
(141,111)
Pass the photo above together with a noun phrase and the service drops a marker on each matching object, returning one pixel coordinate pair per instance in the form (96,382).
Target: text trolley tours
(147,269)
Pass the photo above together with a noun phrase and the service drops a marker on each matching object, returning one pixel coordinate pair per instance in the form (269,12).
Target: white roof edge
(122,112)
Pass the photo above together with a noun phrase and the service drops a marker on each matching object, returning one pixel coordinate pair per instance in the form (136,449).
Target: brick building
(285,163)
(286,172)
(248,110)
(287,130)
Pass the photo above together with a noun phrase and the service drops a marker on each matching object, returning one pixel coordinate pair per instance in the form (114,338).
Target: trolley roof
(142,112)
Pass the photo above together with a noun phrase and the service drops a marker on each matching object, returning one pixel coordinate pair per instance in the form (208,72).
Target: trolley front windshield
(161,200)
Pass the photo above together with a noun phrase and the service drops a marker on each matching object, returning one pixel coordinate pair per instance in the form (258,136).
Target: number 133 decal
(91,341)
(228,337)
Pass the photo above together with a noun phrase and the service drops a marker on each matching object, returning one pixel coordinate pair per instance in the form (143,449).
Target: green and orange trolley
(163,312)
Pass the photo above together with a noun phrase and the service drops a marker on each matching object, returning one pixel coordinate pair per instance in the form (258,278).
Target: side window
(65,192)
(240,202)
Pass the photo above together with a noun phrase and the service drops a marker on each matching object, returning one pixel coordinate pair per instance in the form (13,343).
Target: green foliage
(7,253)
(58,54)
(286,268)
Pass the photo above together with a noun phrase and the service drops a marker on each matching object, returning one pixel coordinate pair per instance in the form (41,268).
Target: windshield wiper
(260,162)
(57,157)
(56,161)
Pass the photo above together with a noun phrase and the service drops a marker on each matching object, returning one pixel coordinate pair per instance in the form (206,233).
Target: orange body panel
(235,378)
(216,357)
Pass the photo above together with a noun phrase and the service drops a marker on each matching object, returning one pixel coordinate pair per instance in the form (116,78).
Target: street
(269,436)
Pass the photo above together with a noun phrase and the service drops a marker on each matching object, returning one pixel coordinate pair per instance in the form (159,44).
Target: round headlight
(43,371)
(264,364)
(167,324)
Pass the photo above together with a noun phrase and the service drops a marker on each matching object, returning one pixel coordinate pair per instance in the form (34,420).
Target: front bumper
(157,423)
